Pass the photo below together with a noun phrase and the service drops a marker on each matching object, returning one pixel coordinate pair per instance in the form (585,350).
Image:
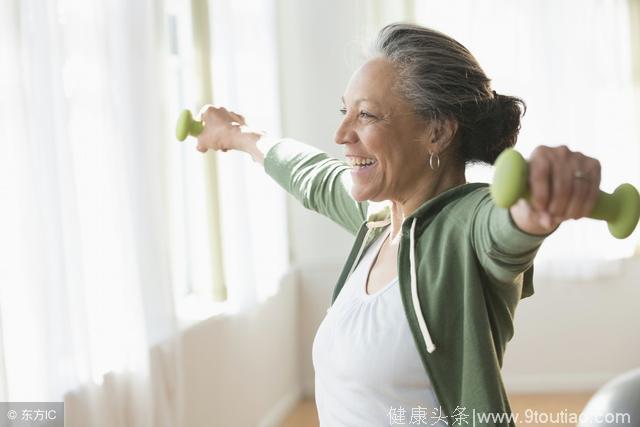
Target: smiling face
(381,126)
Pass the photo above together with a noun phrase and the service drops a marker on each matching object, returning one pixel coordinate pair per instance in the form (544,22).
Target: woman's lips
(363,170)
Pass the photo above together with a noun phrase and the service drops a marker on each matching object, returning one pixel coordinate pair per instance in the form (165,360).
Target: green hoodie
(463,266)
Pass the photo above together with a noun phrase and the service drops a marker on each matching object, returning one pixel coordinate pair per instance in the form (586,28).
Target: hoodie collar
(379,215)
(435,204)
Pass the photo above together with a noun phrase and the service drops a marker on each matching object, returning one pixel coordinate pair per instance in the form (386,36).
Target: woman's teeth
(361,163)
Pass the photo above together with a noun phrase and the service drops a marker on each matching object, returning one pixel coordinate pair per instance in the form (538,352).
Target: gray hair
(441,79)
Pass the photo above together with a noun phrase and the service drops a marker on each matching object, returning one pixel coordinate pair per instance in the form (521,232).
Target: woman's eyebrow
(359,100)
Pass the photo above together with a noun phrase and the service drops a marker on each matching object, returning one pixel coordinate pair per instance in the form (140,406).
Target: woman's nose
(343,134)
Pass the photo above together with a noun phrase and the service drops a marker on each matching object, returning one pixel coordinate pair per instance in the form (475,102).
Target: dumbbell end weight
(187,126)
(510,179)
(621,210)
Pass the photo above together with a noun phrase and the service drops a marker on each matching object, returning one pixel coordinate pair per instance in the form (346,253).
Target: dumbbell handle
(621,209)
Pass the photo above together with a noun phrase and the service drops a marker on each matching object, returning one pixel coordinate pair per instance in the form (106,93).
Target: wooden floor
(526,405)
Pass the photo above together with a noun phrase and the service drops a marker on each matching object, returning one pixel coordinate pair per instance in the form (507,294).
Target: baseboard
(556,383)
(276,416)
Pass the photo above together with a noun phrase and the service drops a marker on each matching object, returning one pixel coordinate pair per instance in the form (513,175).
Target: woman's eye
(363,114)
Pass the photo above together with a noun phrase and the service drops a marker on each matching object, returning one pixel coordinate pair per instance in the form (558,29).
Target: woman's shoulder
(478,195)
(459,215)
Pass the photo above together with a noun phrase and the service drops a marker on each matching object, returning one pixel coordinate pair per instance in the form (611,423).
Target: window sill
(194,308)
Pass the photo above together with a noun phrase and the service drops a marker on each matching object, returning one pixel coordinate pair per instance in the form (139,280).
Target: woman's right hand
(222,129)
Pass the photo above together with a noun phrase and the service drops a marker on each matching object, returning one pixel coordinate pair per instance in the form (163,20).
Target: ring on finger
(578,174)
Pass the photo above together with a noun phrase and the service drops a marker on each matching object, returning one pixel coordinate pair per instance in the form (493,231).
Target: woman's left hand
(564,184)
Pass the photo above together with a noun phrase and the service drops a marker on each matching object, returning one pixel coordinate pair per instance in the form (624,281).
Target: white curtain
(254,218)
(85,288)
(375,14)
(236,43)
(571,61)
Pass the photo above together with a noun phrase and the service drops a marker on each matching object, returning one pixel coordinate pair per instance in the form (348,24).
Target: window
(571,62)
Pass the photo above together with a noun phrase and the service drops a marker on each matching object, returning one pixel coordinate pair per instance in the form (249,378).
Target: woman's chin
(360,195)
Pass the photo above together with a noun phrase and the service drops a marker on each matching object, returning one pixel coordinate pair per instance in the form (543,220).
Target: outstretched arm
(502,248)
(321,183)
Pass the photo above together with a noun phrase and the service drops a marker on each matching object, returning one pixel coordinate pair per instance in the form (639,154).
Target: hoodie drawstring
(414,292)
(414,283)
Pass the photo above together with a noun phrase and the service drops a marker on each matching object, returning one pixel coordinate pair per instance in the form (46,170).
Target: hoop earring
(431,154)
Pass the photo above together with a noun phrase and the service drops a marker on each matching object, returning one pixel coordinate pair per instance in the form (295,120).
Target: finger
(540,175)
(562,185)
(590,201)
(237,117)
(205,108)
(202,148)
(594,187)
(555,221)
(578,198)
(580,189)
(549,221)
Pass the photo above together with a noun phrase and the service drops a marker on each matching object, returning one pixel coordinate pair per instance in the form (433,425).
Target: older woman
(423,309)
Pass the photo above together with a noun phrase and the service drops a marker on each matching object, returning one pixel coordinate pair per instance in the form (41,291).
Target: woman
(423,309)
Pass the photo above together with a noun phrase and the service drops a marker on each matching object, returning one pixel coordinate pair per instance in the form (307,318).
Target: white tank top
(366,363)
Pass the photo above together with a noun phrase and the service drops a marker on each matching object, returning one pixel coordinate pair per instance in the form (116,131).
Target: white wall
(243,370)
(576,335)
(313,75)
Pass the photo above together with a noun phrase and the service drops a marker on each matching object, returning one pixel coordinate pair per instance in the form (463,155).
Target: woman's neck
(425,190)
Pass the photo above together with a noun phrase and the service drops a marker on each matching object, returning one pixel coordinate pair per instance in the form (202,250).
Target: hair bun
(495,128)
(508,112)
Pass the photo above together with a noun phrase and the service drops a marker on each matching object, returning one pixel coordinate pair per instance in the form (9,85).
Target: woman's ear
(444,132)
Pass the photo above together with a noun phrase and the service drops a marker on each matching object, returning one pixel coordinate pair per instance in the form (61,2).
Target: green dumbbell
(187,126)
(621,209)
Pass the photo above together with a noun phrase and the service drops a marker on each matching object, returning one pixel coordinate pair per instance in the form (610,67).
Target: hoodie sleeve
(321,183)
(504,251)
